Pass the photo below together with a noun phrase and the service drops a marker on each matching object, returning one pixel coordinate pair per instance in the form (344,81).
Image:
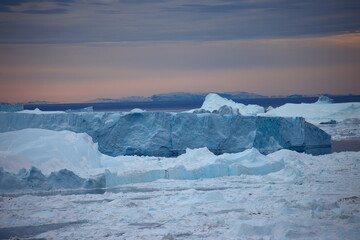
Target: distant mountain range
(179,96)
(186,97)
(40,102)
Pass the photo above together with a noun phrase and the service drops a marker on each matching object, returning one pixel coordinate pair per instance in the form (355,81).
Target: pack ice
(169,134)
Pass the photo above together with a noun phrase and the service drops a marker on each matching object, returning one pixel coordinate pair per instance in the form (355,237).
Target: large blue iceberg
(169,134)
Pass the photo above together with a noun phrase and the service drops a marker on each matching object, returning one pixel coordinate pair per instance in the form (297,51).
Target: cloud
(5,9)
(157,20)
(265,66)
(19,2)
(47,11)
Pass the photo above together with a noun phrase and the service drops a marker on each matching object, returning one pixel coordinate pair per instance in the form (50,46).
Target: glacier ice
(169,134)
(11,107)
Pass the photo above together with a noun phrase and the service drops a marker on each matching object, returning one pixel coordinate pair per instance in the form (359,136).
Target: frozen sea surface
(313,197)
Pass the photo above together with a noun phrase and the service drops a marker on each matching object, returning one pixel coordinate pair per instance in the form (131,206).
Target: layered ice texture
(170,134)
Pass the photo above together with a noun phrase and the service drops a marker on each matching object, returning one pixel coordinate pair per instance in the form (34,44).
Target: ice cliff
(169,134)
(9,107)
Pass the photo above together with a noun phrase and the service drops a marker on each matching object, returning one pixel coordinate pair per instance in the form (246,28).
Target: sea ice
(313,197)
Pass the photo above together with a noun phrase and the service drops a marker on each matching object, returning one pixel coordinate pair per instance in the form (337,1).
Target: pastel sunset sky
(78,50)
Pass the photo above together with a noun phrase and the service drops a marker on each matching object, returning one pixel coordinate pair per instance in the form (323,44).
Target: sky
(79,50)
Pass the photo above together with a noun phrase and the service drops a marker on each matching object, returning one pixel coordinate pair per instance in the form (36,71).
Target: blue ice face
(169,134)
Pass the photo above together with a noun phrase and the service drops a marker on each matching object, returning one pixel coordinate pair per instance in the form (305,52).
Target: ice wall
(169,134)
(9,107)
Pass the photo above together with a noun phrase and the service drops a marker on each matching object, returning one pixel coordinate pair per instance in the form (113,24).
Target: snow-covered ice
(38,111)
(215,103)
(313,197)
(344,116)
(47,150)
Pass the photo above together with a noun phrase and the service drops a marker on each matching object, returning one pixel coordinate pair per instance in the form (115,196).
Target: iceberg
(340,120)
(321,111)
(9,107)
(324,100)
(170,134)
(217,104)
(48,150)
(52,164)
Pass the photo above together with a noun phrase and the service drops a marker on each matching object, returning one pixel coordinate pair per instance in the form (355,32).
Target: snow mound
(213,102)
(47,150)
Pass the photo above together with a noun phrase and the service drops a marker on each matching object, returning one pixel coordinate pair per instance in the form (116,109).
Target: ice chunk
(34,180)
(214,102)
(48,150)
(194,164)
